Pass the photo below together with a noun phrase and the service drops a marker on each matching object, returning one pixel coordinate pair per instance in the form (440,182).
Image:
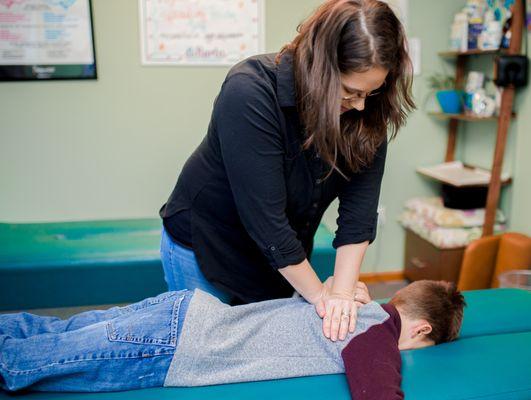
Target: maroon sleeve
(372,361)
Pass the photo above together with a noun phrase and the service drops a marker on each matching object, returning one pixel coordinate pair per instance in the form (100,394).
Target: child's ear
(423,327)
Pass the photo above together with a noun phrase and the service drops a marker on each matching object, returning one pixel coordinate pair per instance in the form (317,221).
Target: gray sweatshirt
(260,341)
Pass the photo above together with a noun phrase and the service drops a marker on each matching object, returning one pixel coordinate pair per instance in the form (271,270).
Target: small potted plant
(450,99)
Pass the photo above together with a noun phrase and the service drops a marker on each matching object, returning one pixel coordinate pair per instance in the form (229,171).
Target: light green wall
(112,148)
(521,188)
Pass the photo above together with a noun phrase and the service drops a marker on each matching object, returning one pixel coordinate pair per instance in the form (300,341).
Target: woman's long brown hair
(344,36)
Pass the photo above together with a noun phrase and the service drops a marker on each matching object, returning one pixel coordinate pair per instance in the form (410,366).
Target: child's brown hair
(438,302)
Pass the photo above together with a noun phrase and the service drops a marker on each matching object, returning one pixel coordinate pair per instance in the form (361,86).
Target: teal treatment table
(82,263)
(491,360)
(98,262)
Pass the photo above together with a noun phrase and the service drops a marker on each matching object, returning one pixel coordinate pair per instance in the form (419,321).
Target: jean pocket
(154,321)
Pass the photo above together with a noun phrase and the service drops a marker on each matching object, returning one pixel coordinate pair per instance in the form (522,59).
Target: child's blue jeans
(117,349)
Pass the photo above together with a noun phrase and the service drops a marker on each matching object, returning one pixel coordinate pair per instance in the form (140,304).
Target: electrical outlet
(381,216)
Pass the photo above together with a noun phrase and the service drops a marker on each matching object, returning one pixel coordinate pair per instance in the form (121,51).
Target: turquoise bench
(94,262)
(491,361)
(82,263)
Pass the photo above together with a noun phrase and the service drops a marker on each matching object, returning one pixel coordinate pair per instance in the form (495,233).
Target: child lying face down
(190,338)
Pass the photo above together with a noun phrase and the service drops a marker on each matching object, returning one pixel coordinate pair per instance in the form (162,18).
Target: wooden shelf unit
(503,120)
(423,260)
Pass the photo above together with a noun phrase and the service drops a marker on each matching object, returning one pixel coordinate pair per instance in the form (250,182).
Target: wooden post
(503,125)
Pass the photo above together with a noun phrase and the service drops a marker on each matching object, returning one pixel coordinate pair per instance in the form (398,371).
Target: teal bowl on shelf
(451,101)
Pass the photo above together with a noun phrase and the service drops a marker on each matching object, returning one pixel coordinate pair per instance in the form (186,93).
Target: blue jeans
(181,270)
(117,349)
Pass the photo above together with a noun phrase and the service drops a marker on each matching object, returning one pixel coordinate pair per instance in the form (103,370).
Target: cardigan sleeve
(358,203)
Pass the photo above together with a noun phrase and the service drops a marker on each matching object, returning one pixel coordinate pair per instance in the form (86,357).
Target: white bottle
(459,32)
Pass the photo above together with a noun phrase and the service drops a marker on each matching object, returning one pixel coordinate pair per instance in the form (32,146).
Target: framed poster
(200,32)
(46,39)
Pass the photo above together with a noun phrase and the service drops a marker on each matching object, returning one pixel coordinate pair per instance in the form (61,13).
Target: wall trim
(377,277)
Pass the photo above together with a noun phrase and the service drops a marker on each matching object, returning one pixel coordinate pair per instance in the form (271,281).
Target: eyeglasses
(360,96)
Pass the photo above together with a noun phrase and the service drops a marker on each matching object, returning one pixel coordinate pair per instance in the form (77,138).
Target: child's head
(431,313)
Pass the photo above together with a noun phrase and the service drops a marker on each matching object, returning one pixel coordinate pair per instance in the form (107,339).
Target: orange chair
(486,258)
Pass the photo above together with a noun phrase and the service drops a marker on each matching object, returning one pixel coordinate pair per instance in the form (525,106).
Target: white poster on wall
(45,32)
(200,32)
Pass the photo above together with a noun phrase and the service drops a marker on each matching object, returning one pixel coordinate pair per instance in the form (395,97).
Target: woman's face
(356,86)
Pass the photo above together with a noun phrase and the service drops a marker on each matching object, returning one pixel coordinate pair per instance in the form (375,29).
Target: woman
(289,133)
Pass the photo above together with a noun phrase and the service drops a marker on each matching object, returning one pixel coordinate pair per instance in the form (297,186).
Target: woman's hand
(361,294)
(318,301)
(339,311)
(340,317)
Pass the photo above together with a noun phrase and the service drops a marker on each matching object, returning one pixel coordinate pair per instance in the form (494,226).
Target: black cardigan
(249,199)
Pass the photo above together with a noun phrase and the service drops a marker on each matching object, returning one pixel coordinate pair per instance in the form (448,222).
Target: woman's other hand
(318,302)
(339,311)
(340,316)
(361,294)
